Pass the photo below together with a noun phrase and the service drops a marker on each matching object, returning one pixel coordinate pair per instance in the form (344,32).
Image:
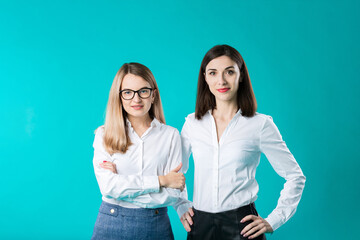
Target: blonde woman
(137,161)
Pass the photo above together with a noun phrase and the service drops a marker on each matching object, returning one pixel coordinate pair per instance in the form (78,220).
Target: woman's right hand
(109,166)
(173,179)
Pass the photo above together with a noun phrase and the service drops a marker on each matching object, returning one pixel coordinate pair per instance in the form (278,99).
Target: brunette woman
(226,137)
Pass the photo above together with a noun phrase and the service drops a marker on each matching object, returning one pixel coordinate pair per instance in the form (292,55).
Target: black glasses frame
(138,92)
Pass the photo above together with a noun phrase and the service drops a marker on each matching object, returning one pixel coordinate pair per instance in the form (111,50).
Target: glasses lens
(128,94)
(144,93)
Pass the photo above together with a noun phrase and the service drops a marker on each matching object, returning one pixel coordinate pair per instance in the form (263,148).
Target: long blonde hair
(116,138)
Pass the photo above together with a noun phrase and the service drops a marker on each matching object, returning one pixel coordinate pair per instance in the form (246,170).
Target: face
(136,107)
(223,76)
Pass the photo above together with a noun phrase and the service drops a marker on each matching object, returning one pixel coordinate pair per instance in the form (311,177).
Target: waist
(228,212)
(132,212)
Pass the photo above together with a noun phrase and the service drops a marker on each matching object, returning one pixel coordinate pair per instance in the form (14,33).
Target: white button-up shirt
(225,170)
(136,183)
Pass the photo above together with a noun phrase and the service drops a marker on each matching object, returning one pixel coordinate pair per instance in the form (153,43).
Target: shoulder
(167,129)
(262,117)
(191,119)
(259,120)
(266,123)
(100,130)
(99,135)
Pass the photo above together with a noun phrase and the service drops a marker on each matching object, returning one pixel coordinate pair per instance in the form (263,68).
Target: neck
(225,109)
(140,122)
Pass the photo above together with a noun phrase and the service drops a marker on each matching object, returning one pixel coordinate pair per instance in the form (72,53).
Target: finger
(247,218)
(186,225)
(104,165)
(254,229)
(258,233)
(107,168)
(250,226)
(108,164)
(188,218)
(247,228)
(177,168)
(183,178)
(191,211)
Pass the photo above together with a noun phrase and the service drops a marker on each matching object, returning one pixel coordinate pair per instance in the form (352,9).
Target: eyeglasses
(129,94)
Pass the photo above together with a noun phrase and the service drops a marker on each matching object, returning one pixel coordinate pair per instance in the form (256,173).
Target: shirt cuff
(274,221)
(183,208)
(151,184)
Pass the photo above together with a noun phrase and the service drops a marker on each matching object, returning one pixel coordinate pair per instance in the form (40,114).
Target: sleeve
(119,186)
(186,146)
(167,196)
(285,165)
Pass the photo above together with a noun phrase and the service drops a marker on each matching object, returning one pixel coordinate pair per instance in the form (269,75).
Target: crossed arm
(174,179)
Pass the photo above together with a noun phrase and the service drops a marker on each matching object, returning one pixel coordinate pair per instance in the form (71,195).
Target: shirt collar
(237,114)
(154,123)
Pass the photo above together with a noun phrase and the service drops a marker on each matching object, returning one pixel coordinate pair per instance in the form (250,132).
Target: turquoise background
(58,60)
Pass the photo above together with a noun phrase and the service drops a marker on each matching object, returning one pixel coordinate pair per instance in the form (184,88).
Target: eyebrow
(135,90)
(213,69)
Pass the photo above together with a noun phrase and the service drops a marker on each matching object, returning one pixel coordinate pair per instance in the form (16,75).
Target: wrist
(162,181)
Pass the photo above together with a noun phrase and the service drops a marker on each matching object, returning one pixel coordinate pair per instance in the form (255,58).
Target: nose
(136,97)
(222,79)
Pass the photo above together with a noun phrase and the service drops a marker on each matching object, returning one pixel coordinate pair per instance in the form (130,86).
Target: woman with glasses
(226,137)
(137,161)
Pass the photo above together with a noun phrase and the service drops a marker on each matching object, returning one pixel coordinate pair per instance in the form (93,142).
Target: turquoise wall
(58,60)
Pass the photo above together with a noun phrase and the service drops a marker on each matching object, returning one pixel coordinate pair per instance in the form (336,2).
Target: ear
(241,74)
(205,77)
(153,96)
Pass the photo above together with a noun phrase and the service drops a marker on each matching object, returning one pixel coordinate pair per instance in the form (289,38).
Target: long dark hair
(205,100)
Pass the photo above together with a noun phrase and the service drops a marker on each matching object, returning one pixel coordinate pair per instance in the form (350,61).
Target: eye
(144,91)
(212,73)
(231,72)
(126,92)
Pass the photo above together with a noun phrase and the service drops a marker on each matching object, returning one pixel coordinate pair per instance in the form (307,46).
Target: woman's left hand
(256,228)
(109,166)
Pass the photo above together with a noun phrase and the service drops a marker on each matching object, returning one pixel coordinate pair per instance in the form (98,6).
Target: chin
(137,114)
(224,97)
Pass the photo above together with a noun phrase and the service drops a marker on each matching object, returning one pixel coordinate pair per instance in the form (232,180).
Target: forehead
(221,62)
(134,82)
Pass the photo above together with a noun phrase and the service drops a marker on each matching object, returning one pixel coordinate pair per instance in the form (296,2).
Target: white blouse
(136,183)
(225,170)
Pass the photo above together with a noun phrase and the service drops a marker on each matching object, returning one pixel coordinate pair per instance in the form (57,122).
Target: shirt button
(112,210)
(156,211)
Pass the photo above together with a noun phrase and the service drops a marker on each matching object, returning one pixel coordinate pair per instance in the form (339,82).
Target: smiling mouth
(137,107)
(222,90)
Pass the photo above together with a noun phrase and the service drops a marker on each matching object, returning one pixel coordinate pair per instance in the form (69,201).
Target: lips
(222,90)
(137,107)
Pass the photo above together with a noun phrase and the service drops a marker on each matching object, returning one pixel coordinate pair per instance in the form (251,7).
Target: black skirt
(221,226)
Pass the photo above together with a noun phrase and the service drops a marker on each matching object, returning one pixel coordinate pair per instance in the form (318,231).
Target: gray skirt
(115,222)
